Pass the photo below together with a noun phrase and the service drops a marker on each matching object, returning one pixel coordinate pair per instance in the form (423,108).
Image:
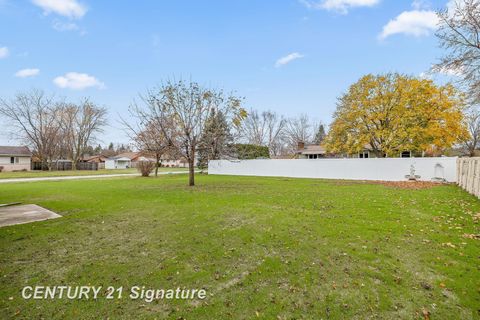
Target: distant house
(313,151)
(126,160)
(94,159)
(118,163)
(310,151)
(171,161)
(131,159)
(368,153)
(15,158)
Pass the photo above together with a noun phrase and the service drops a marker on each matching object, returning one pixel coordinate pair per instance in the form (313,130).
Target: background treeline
(53,128)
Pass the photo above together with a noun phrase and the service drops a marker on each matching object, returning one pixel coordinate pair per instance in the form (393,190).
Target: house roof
(117,158)
(312,149)
(15,151)
(91,158)
(129,155)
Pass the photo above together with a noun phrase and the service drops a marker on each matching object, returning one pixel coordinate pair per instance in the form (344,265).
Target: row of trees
(184,119)
(281,135)
(175,119)
(388,113)
(54,128)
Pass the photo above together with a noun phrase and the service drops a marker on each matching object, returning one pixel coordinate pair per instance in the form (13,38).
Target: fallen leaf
(425,313)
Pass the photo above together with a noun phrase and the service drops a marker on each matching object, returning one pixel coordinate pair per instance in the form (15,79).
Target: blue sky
(291,56)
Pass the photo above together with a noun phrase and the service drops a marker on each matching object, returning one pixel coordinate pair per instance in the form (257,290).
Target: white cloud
(287,59)
(62,26)
(25,73)
(3,52)
(415,23)
(421,4)
(78,81)
(452,72)
(341,6)
(66,8)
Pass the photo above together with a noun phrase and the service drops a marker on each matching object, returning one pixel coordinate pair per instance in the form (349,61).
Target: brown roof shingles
(14,151)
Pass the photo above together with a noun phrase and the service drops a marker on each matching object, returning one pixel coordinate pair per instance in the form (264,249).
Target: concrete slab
(24,214)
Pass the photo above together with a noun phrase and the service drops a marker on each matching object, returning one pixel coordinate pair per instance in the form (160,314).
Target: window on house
(12,160)
(363,155)
(406,154)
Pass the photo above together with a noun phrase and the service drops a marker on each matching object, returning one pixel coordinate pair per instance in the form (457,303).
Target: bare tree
(153,131)
(297,130)
(459,33)
(473,125)
(80,123)
(264,129)
(35,118)
(190,105)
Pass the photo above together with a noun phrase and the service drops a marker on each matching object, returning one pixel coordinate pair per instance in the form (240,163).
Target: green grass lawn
(266,248)
(37,173)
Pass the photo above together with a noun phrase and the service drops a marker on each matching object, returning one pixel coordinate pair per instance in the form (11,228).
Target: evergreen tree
(216,141)
(320,136)
(98,149)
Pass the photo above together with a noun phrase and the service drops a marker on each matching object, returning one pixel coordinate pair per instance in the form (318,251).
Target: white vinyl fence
(468,174)
(386,169)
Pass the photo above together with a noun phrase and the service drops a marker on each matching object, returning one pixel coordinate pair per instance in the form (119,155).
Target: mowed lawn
(41,174)
(263,248)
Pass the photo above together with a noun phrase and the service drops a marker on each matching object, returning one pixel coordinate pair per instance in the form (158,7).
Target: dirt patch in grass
(415,185)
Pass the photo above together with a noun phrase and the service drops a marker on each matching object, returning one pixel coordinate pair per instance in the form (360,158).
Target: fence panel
(468,174)
(387,169)
(65,166)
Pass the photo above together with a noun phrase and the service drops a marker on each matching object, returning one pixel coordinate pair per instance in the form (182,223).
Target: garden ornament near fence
(412,176)
(439,173)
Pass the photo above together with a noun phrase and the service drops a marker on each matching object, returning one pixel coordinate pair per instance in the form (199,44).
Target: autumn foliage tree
(392,113)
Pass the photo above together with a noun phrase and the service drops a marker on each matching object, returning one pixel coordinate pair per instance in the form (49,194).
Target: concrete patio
(18,214)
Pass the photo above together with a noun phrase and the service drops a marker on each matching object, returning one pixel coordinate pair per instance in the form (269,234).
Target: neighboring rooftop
(310,149)
(129,155)
(14,151)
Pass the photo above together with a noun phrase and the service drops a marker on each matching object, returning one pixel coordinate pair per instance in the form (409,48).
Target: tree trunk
(191,169)
(191,172)
(157,157)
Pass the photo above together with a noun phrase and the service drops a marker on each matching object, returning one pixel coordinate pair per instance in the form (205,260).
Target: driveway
(82,177)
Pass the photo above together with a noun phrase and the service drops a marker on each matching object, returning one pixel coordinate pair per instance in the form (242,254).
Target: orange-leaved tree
(391,113)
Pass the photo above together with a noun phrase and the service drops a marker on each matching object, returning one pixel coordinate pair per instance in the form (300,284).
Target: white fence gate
(387,169)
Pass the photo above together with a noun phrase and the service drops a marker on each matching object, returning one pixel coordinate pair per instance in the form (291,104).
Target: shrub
(251,151)
(145,167)
(1,168)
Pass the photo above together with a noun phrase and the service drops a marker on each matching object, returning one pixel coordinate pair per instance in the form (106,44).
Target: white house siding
(24,163)
(386,169)
(122,163)
(109,164)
